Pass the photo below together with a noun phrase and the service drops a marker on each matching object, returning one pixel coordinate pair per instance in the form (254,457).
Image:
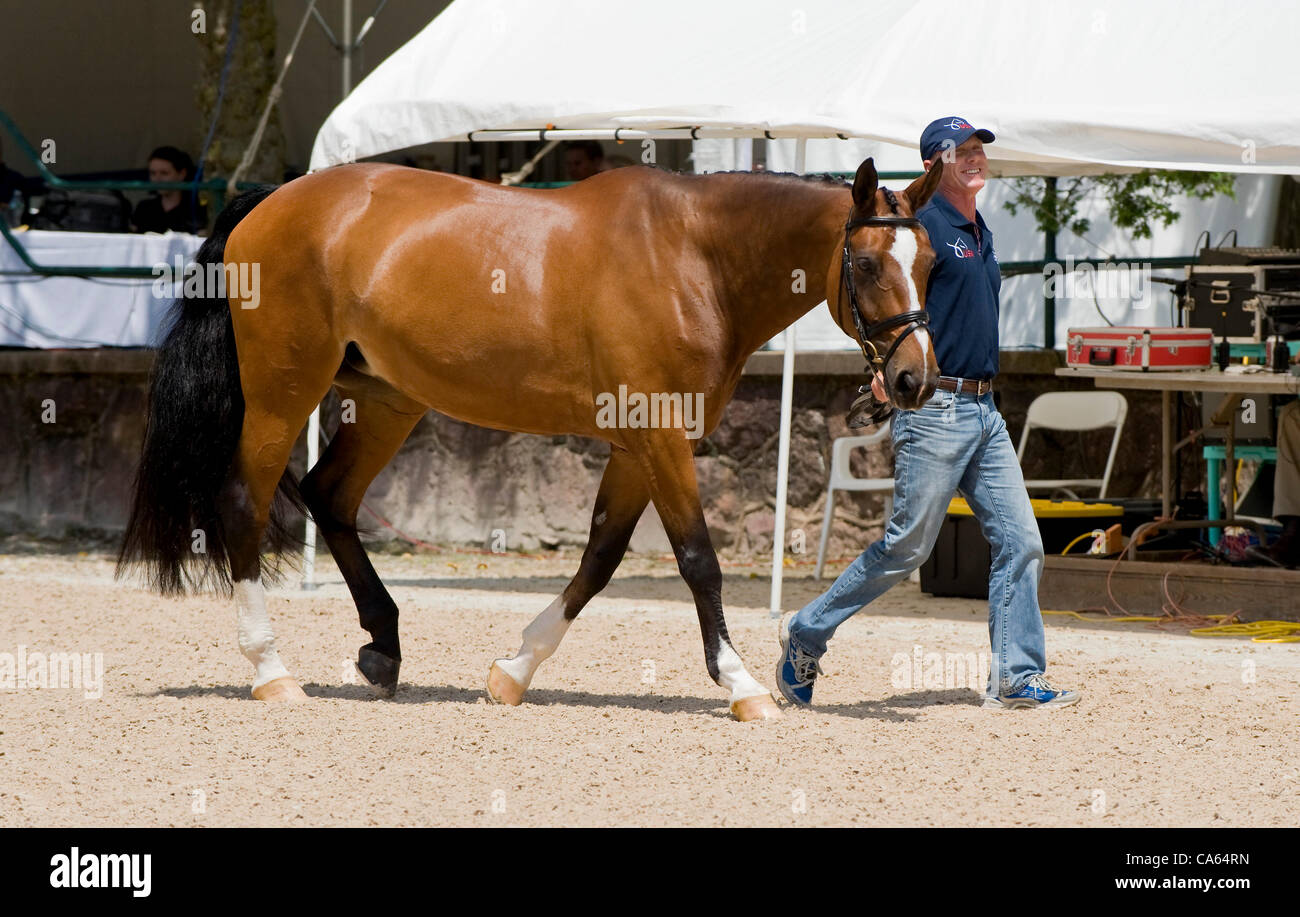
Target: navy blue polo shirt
(962,293)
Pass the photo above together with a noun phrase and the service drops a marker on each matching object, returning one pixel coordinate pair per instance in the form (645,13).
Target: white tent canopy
(1068,88)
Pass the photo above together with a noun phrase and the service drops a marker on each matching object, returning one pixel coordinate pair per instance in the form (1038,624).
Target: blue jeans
(952,443)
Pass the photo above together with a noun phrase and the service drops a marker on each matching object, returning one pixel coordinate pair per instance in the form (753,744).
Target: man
(1286,488)
(12,183)
(583,159)
(173,210)
(955,442)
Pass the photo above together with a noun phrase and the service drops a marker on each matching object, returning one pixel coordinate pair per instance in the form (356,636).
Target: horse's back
(465,295)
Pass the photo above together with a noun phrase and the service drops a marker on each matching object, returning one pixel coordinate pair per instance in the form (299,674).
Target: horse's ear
(864,189)
(922,189)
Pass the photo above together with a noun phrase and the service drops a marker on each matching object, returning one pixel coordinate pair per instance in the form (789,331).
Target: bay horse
(510,308)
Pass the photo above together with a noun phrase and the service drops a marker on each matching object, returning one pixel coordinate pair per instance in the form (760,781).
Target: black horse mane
(822,178)
(826,178)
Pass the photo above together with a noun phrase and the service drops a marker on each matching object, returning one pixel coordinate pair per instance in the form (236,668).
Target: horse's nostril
(905,383)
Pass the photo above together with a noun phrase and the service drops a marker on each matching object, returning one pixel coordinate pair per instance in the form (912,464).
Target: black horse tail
(195,414)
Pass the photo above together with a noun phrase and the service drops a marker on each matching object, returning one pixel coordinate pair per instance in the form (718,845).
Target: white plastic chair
(1075,411)
(841,478)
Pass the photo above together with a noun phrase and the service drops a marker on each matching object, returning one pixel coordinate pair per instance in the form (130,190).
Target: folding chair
(841,478)
(1075,411)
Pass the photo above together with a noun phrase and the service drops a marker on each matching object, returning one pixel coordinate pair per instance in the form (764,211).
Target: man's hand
(871,407)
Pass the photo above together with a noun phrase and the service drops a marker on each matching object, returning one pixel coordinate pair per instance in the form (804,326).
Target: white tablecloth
(54,312)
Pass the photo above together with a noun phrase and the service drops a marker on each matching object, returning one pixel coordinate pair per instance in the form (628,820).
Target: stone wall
(453,483)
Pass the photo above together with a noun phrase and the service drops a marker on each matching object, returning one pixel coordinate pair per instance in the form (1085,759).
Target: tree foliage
(1135,200)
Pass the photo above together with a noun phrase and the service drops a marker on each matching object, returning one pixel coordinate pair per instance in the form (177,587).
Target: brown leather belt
(966,386)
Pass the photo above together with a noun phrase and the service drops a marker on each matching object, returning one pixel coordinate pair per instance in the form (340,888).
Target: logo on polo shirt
(961,249)
(958,124)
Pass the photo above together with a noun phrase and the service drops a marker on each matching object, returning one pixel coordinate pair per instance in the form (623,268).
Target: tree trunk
(253,69)
(1286,232)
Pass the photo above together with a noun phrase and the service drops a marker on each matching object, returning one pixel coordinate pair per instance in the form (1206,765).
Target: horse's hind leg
(622,498)
(245,506)
(668,459)
(280,390)
(333,491)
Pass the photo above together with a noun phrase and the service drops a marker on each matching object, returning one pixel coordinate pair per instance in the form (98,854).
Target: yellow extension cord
(1114,619)
(1258,631)
(1093,534)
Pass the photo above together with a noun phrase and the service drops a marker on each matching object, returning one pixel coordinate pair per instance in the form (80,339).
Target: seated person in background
(11,181)
(1286,487)
(583,159)
(173,210)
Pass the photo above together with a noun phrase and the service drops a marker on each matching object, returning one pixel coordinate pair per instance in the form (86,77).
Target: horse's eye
(866,265)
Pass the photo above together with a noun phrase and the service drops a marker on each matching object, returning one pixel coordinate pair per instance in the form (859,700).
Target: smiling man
(955,443)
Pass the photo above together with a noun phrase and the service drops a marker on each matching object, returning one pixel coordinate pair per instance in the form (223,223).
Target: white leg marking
(541,638)
(256,639)
(733,677)
(904,252)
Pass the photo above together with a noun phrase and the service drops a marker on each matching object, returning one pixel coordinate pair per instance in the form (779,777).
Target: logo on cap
(957,124)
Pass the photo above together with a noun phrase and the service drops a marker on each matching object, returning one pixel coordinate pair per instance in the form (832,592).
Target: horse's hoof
(758,707)
(280,690)
(503,689)
(378,671)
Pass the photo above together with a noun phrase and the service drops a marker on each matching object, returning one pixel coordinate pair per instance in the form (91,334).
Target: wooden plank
(1265,383)
(87,361)
(1260,593)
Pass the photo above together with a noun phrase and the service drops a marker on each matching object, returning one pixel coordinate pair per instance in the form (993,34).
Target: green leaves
(1135,200)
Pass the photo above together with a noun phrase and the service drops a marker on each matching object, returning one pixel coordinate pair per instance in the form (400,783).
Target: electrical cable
(1093,534)
(30,326)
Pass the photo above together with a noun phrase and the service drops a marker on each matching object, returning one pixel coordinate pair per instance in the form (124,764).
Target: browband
(880,221)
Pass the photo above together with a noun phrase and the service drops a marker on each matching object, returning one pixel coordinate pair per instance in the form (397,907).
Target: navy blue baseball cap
(940,132)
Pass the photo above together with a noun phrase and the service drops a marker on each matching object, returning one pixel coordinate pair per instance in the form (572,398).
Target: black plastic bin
(959,564)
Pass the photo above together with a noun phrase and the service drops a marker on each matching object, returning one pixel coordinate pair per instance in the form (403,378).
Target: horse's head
(880,273)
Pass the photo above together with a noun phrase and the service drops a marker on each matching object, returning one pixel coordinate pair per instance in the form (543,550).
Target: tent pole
(1049,256)
(782,472)
(783,450)
(346,47)
(309,539)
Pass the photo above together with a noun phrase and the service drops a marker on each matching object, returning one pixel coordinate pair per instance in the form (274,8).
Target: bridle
(914,320)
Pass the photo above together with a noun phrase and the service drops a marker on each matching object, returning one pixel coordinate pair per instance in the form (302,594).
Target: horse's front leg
(621,500)
(669,462)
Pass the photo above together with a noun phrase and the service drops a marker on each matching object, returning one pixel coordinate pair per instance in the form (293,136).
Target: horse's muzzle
(910,390)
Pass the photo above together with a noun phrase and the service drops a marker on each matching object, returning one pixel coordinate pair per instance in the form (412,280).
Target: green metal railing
(1016,268)
(215,186)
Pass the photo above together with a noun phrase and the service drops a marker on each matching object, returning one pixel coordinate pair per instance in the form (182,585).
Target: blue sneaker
(1035,692)
(796,670)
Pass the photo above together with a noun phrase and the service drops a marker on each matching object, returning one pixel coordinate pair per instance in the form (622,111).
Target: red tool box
(1137,348)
